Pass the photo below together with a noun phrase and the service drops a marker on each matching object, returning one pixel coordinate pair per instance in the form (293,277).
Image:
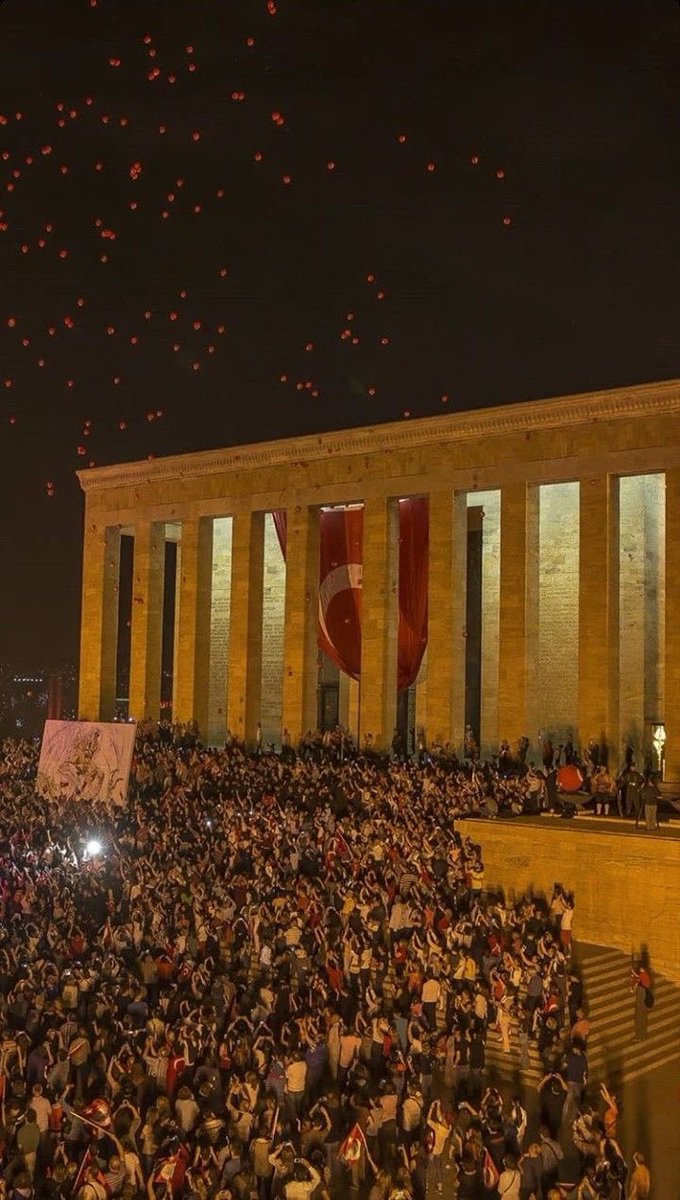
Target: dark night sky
(576,103)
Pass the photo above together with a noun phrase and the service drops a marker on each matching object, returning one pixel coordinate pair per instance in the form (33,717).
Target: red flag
(350,1150)
(490,1175)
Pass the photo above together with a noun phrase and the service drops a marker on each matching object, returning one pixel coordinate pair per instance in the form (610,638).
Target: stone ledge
(615,404)
(625,886)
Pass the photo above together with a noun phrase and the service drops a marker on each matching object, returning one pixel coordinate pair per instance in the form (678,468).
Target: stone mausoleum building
(514,569)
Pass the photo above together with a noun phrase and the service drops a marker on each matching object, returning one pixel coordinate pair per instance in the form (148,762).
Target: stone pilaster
(244,687)
(672,673)
(99,623)
(518,588)
(192,663)
(379,622)
(447,581)
(300,653)
(146,640)
(420,718)
(598,622)
(348,705)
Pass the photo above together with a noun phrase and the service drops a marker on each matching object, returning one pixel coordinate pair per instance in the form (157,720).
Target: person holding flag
(354,1154)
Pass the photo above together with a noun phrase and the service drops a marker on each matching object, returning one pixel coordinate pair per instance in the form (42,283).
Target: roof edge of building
(619,403)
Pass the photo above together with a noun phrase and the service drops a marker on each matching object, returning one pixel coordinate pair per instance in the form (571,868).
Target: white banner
(86,760)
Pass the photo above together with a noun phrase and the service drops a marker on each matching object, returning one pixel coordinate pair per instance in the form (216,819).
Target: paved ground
(614,1056)
(645,1074)
(669,825)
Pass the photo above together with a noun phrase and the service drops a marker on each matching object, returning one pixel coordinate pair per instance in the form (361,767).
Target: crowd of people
(276,977)
(509,784)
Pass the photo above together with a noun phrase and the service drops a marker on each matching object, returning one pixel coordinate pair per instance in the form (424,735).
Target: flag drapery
(340,585)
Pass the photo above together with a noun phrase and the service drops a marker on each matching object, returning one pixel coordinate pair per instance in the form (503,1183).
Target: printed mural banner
(88,761)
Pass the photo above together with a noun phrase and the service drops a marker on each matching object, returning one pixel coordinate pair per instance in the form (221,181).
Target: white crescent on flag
(340,579)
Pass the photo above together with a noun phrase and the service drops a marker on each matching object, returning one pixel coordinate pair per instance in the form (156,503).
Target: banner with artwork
(87,761)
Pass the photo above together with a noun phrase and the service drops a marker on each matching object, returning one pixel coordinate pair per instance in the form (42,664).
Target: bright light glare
(93,848)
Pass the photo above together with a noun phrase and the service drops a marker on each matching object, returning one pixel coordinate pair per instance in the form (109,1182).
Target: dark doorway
(329,695)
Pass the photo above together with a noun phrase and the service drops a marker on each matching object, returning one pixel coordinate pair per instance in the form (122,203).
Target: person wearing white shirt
(296,1078)
(41,1107)
(510,1181)
(430,997)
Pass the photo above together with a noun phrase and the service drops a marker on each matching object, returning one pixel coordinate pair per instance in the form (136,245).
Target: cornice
(562,412)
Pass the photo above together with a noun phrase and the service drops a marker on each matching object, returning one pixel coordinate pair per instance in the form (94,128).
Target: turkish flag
(340,585)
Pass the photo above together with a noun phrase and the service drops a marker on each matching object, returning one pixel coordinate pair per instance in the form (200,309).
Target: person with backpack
(551,1156)
(510,1180)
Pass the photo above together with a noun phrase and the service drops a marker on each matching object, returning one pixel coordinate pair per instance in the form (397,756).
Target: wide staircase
(614,1056)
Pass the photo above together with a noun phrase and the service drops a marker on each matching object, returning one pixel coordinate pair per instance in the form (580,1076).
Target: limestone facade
(625,886)
(580,573)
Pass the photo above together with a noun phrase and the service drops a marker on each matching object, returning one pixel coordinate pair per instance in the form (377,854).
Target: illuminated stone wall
(220,613)
(508,451)
(625,887)
(555,700)
(642,534)
(273,608)
(491,567)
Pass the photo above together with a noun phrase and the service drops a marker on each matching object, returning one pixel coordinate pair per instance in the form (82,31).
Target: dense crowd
(276,977)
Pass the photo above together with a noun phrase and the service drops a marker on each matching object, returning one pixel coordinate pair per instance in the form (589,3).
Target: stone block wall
(220,613)
(625,886)
(555,703)
(273,612)
(491,565)
(642,605)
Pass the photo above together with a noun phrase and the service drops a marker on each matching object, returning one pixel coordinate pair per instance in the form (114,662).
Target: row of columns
(598,642)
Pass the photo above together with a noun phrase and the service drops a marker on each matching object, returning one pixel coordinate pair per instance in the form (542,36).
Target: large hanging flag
(340,585)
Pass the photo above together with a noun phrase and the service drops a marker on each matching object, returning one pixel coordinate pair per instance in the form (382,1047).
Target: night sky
(228,221)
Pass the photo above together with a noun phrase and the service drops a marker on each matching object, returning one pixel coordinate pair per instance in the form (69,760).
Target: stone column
(192,664)
(672,673)
(244,669)
(518,599)
(301,622)
(99,622)
(348,705)
(379,622)
(598,621)
(447,581)
(146,637)
(420,685)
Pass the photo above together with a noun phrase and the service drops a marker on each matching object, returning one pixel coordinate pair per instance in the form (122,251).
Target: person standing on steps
(640,1182)
(641,986)
(649,795)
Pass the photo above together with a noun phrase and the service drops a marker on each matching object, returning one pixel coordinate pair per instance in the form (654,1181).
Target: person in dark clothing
(649,796)
(469,1178)
(553,1093)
